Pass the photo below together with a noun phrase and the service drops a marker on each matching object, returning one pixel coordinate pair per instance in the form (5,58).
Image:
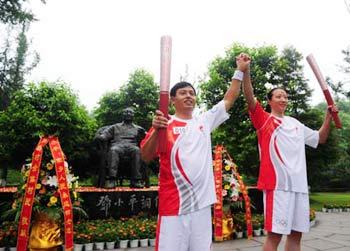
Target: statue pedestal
(101,203)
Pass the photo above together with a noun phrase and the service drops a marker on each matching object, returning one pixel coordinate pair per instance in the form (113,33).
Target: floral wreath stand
(28,199)
(220,222)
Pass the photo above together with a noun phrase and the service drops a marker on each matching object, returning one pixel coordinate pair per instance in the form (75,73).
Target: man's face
(185,99)
(128,114)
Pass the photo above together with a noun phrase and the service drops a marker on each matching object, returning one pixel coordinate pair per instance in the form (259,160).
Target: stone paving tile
(342,237)
(341,249)
(308,236)
(322,244)
(238,244)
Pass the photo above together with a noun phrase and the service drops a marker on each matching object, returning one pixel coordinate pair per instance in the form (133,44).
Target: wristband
(238,75)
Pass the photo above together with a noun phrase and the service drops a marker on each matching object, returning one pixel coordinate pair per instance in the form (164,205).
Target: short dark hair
(180,85)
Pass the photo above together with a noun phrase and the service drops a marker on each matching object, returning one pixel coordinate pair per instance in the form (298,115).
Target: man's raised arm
(233,91)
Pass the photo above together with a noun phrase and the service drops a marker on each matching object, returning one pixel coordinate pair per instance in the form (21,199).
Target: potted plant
(81,237)
(324,208)
(238,231)
(99,239)
(123,236)
(90,228)
(256,227)
(240,223)
(143,233)
(134,241)
(152,232)
(110,234)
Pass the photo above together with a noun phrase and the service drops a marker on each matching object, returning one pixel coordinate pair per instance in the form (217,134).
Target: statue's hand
(159,120)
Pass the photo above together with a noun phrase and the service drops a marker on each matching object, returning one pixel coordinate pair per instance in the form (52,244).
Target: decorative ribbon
(218,207)
(218,211)
(27,203)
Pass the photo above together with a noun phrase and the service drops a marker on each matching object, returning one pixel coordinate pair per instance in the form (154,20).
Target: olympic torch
(311,60)
(165,63)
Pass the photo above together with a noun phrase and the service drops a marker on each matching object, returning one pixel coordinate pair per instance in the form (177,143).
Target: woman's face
(279,101)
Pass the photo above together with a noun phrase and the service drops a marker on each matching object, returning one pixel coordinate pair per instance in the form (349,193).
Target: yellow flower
(38,186)
(42,173)
(227,187)
(49,166)
(24,186)
(26,173)
(53,200)
(227,168)
(49,204)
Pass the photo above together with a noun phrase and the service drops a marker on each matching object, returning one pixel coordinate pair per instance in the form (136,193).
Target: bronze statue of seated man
(124,139)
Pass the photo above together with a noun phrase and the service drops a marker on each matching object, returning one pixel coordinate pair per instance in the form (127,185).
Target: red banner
(218,211)
(63,189)
(27,203)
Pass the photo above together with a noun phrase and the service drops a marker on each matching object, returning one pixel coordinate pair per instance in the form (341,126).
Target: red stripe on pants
(268,209)
(157,232)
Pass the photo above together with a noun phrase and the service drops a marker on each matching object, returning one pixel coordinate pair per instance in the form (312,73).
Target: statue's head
(128,114)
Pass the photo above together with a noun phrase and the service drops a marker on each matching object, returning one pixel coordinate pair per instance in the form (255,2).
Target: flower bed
(111,230)
(336,208)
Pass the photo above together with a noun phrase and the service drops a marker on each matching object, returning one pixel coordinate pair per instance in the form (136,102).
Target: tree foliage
(15,12)
(269,69)
(45,109)
(140,92)
(14,65)
(329,165)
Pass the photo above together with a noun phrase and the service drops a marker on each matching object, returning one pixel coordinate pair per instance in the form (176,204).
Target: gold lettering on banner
(23,233)
(24,221)
(30,190)
(32,179)
(63,186)
(69,230)
(59,160)
(27,201)
(35,168)
(66,204)
(56,148)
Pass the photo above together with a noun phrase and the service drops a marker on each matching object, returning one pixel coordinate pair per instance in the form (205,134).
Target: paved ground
(331,232)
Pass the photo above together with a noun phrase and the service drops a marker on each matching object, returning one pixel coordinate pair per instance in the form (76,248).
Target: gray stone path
(331,232)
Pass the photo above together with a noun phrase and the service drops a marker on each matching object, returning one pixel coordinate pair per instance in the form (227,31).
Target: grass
(317,200)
